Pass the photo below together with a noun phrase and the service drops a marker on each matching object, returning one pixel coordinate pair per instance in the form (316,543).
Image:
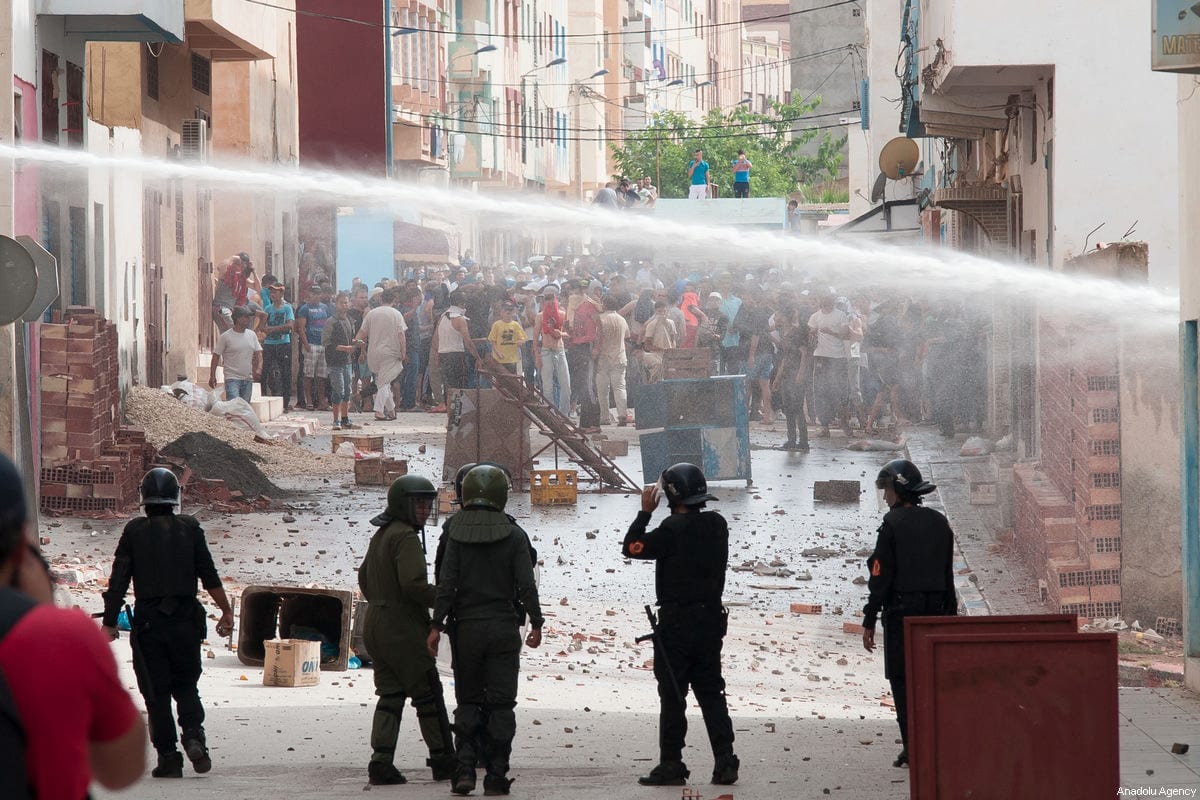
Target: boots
(197,751)
(442,767)
(902,759)
(464,781)
(725,770)
(667,773)
(380,773)
(494,785)
(170,765)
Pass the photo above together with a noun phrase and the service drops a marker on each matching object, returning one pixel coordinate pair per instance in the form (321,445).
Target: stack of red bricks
(89,462)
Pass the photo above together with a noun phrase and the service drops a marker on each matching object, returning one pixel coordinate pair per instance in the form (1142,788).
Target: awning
(418,243)
(894,220)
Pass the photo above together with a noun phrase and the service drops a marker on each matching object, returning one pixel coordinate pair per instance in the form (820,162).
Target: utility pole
(9,415)
(577,90)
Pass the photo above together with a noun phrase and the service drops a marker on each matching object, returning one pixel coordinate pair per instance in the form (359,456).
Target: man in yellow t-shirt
(506,338)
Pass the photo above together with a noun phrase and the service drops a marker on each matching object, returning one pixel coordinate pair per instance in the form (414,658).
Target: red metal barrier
(1015,715)
(917,628)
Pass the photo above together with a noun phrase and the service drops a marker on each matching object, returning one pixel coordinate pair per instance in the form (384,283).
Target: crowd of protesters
(588,333)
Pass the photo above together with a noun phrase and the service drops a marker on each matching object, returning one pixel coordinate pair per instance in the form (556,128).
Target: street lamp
(579,90)
(525,105)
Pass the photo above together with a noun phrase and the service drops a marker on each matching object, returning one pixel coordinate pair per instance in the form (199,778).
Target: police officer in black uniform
(164,553)
(691,547)
(912,574)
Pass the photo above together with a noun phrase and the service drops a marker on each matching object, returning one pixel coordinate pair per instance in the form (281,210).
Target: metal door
(152,276)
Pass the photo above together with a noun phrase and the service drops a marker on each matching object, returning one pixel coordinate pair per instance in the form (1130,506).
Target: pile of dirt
(210,458)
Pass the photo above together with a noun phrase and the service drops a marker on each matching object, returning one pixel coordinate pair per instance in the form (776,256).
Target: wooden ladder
(559,429)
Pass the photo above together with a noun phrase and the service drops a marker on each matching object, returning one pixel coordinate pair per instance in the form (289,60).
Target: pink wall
(25,181)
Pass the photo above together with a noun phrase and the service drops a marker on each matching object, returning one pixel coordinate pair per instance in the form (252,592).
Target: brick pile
(90,463)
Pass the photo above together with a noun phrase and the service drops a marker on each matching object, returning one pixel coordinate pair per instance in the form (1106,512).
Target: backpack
(14,781)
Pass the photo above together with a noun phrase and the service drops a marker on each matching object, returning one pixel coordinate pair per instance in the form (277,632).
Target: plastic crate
(553,487)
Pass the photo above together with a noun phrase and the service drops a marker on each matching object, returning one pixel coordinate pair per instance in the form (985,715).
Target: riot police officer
(164,553)
(486,565)
(691,550)
(912,574)
(393,581)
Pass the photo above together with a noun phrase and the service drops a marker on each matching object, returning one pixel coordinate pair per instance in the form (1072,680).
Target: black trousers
(915,604)
(487,660)
(277,371)
(583,384)
(690,650)
(168,636)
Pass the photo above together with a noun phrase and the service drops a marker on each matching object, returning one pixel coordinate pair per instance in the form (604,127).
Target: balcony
(229,30)
(959,74)
(416,143)
(119,20)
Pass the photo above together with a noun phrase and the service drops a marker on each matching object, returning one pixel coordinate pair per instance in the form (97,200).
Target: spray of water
(848,266)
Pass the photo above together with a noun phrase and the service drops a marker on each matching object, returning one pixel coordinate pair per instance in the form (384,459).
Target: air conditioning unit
(193,140)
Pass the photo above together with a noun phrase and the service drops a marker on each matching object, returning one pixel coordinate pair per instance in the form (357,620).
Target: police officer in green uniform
(164,553)
(486,566)
(912,574)
(691,551)
(393,581)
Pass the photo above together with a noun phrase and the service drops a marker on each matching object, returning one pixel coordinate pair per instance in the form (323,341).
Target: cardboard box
(291,662)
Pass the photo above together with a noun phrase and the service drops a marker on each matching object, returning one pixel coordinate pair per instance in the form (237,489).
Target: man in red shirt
(585,330)
(78,720)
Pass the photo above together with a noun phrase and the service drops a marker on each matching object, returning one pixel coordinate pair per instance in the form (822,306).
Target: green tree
(772,141)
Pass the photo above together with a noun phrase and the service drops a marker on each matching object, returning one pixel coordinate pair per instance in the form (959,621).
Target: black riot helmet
(160,487)
(402,498)
(905,479)
(685,485)
(458,480)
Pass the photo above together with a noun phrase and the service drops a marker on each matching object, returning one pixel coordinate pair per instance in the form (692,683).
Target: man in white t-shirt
(383,333)
(240,352)
(832,328)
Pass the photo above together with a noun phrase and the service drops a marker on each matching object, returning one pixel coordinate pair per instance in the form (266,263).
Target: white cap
(717,295)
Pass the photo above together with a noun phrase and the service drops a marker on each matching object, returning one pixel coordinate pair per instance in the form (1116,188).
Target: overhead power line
(604,139)
(733,70)
(593,36)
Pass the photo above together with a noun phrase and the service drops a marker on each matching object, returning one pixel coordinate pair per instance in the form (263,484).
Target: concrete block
(837,491)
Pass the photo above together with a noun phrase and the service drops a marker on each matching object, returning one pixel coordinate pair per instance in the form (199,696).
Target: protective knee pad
(502,720)
(431,712)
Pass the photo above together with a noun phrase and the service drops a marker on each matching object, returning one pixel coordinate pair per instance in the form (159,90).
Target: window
(201,74)
(1103,383)
(77,224)
(1096,513)
(1106,480)
(49,78)
(1108,544)
(1102,415)
(151,75)
(1106,447)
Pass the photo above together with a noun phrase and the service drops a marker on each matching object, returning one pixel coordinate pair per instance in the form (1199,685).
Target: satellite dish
(47,281)
(19,277)
(899,158)
(878,188)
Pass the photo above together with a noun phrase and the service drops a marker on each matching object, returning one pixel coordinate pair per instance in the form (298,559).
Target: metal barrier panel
(917,628)
(1016,715)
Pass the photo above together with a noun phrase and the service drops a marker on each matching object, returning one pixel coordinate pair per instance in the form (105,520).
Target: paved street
(810,706)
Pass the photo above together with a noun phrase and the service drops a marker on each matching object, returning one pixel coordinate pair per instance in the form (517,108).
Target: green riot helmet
(403,496)
(485,486)
(458,480)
